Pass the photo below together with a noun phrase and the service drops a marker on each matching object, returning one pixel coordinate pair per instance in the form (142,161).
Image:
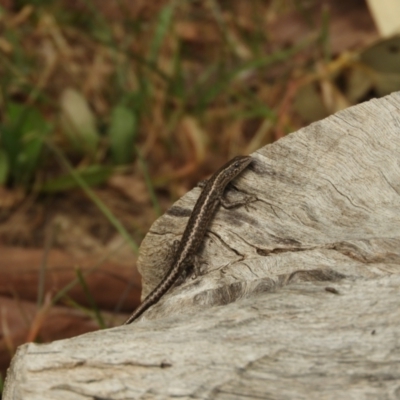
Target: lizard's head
(233,168)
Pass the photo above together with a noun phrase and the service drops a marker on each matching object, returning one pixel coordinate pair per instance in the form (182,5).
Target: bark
(298,296)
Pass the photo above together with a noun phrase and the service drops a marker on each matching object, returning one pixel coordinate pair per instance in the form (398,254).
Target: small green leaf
(122,133)
(22,140)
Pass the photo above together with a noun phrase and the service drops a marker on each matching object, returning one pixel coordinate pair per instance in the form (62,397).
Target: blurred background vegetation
(112,110)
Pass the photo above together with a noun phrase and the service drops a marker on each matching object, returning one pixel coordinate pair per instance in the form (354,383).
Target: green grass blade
(62,293)
(89,192)
(164,22)
(324,36)
(92,174)
(4,167)
(149,184)
(208,95)
(90,298)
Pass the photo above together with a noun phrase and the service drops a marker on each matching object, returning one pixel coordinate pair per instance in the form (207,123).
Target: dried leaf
(78,122)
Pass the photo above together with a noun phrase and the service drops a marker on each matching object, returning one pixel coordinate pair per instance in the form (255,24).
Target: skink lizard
(193,235)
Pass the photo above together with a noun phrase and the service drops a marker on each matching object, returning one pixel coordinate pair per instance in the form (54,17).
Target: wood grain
(299,296)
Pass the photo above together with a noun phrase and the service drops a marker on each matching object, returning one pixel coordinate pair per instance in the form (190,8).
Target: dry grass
(162,94)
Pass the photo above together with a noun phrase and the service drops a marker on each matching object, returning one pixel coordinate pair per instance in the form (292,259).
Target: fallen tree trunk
(298,296)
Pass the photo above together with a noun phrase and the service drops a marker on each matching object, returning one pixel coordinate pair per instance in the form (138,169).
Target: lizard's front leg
(245,201)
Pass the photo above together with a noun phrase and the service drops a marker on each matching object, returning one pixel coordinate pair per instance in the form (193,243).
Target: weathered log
(299,296)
